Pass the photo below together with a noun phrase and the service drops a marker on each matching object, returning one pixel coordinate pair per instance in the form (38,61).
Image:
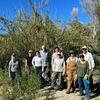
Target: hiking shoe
(75,91)
(67,92)
(87,99)
(51,87)
(80,94)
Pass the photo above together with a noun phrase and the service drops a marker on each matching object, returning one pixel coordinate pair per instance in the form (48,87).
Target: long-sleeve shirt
(13,66)
(59,65)
(29,60)
(44,56)
(88,57)
(54,56)
(37,61)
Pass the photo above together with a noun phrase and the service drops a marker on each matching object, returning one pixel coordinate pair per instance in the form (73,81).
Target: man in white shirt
(37,61)
(88,57)
(45,63)
(37,64)
(54,55)
(58,69)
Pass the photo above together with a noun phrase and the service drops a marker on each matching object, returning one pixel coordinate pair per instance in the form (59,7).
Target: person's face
(43,48)
(82,58)
(37,53)
(56,50)
(84,50)
(30,53)
(72,55)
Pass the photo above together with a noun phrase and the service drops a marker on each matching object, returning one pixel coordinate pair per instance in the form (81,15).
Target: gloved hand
(86,77)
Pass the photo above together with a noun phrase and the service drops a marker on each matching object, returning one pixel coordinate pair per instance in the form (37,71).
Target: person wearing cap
(45,63)
(82,71)
(14,69)
(28,63)
(88,57)
(58,70)
(71,71)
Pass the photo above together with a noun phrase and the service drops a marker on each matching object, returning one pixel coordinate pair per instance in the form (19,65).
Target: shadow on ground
(96,91)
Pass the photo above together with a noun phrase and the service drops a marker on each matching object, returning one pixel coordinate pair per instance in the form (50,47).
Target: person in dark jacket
(28,64)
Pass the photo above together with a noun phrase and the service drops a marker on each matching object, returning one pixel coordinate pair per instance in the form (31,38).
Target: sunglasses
(29,52)
(84,49)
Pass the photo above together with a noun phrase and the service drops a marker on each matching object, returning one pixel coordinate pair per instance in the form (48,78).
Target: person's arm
(9,69)
(87,71)
(41,61)
(76,67)
(33,62)
(19,69)
(87,68)
(25,64)
(47,60)
(67,61)
(77,59)
(53,66)
(62,54)
(92,64)
(64,68)
(52,60)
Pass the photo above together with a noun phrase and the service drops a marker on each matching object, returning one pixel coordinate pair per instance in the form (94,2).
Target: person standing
(71,72)
(54,55)
(37,64)
(88,57)
(82,71)
(45,63)
(14,69)
(58,70)
(28,64)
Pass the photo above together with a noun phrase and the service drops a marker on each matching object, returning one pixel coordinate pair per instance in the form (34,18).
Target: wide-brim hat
(30,51)
(84,47)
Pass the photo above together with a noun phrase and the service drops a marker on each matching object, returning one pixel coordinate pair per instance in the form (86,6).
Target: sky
(57,9)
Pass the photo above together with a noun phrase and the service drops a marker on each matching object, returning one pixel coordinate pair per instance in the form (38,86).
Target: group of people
(51,69)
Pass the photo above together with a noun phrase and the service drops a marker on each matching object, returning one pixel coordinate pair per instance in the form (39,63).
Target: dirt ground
(47,94)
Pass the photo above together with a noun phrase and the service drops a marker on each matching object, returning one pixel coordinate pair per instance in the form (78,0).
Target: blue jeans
(83,84)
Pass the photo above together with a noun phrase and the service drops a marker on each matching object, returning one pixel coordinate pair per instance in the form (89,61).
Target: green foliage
(27,34)
(92,7)
(97,60)
(31,32)
(23,90)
